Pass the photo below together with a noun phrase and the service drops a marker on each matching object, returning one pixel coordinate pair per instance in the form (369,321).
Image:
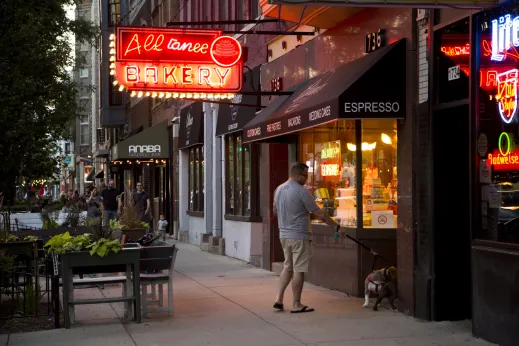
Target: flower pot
(134,233)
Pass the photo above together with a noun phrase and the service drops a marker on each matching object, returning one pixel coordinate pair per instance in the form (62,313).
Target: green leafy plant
(116,225)
(104,246)
(62,243)
(6,237)
(145,225)
(49,224)
(30,238)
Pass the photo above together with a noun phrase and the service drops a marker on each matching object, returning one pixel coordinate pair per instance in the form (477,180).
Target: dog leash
(371,251)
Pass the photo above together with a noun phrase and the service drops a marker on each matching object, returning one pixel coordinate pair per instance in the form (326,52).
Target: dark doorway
(451,290)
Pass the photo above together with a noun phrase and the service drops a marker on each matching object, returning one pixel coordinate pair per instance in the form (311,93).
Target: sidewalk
(222,301)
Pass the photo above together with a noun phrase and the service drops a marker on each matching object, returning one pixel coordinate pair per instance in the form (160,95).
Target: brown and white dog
(382,282)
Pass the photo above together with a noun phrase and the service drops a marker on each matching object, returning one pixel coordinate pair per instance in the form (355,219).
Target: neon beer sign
(505,36)
(507,94)
(506,157)
(167,62)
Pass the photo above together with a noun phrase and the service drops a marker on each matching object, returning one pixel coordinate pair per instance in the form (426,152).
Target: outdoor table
(127,259)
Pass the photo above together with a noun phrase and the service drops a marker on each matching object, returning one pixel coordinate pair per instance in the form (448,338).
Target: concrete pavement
(222,301)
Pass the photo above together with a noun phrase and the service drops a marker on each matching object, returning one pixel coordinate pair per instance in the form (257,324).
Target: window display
(331,150)
(498,164)
(196,178)
(239,169)
(379,172)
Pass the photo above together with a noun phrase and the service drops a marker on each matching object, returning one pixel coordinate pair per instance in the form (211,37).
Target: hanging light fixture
(386,139)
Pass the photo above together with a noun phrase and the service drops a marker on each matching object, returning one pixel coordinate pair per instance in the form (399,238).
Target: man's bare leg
(297,290)
(284,280)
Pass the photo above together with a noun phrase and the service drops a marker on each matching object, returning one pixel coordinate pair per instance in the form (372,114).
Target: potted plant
(88,251)
(130,224)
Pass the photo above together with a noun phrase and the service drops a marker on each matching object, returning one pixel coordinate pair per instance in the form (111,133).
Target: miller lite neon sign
(505,36)
(163,62)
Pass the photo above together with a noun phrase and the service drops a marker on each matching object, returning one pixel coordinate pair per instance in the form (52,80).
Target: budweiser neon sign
(506,157)
(176,63)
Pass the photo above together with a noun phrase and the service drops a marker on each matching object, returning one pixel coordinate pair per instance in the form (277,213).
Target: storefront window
(379,174)
(196,178)
(329,152)
(240,183)
(453,52)
(498,153)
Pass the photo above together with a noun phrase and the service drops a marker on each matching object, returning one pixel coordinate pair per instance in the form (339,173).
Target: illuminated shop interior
(332,152)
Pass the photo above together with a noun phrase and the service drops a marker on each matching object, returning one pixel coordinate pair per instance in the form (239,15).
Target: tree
(38,97)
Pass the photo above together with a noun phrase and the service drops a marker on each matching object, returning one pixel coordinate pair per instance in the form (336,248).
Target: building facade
(387,106)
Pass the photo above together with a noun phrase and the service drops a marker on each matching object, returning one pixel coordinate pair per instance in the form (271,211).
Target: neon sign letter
(505,34)
(507,94)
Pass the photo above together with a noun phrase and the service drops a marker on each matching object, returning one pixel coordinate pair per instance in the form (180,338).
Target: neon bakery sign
(176,63)
(506,158)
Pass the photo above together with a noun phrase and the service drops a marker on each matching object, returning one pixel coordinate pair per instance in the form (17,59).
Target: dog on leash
(382,282)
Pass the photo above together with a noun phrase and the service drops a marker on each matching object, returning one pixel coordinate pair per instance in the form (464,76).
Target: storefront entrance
(451,291)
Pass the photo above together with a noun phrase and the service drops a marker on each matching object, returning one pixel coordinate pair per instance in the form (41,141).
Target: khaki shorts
(297,254)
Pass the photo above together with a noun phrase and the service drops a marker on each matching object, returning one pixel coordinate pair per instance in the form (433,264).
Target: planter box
(133,233)
(20,248)
(83,263)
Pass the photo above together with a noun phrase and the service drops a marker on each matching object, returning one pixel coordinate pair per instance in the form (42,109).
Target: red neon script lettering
(150,43)
(175,44)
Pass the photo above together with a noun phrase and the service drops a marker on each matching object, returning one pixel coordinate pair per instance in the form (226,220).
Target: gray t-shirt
(293,205)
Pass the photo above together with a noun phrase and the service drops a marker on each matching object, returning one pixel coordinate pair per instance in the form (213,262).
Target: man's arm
(313,208)
(148,204)
(324,217)
(274,204)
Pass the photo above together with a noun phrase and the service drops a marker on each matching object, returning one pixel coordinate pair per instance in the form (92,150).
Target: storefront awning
(102,153)
(372,87)
(151,143)
(90,176)
(191,126)
(232,118)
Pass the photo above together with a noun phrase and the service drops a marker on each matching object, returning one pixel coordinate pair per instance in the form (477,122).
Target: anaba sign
(151,143)
(165,60)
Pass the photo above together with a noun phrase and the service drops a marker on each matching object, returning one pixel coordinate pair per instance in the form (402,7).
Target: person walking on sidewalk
(141,200)
(293,205)
(110,204)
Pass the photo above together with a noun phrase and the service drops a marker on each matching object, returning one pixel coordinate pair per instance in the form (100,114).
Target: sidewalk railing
(24,295)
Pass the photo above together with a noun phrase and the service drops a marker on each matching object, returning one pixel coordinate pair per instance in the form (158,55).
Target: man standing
(142,204)
(293,205)
(110,205)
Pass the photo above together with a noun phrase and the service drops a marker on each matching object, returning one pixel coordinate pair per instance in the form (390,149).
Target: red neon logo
(507,94)
(160,44)
(141,76)
(455,50)
(169,60)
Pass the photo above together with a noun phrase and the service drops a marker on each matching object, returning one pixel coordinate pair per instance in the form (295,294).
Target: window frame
(196,154)
(115,97)
(239,208)
(114,18)
(83,75)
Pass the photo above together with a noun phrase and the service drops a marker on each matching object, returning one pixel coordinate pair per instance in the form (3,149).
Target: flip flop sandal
(278,306)
(304,309)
